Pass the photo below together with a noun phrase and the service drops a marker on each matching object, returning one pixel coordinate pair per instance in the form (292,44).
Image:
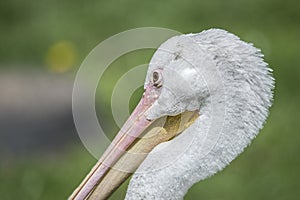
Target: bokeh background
(42,44)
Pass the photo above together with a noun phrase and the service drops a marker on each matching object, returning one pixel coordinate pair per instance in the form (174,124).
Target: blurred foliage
(34,34)
(61,56)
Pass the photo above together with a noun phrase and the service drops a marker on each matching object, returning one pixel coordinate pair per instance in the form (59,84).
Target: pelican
(206,96)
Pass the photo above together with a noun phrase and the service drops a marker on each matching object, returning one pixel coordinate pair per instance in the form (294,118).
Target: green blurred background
(42,44)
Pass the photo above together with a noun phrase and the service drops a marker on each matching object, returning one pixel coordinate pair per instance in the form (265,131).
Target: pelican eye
(157,78)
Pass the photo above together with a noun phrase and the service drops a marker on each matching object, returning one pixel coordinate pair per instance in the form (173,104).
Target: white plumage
(228,81)
(213,73)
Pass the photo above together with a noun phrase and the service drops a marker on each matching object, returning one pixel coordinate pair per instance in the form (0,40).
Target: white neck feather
(230,117)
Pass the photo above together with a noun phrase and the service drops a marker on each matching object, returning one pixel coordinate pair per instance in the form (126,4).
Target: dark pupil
(155,77)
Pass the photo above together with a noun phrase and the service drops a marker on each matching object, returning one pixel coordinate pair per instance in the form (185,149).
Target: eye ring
(157,78)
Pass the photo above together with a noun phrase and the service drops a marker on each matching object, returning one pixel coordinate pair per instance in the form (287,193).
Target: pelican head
(206,97)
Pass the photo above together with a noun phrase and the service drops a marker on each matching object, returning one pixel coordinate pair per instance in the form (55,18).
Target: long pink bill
(130,131)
